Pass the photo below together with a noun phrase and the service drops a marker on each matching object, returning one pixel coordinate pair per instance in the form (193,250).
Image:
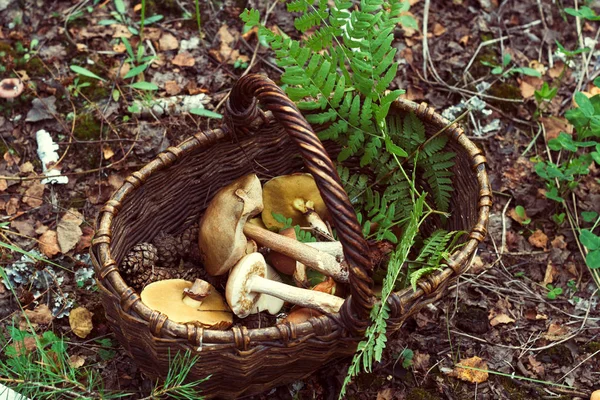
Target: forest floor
(503,311)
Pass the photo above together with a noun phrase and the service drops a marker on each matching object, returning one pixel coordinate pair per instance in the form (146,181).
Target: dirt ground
(500,311)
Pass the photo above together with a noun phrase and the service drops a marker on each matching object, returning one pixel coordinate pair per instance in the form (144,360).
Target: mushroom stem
(333,248)
(307,255)
(307,298)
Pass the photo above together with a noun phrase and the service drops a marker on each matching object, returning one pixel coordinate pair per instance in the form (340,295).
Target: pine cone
(189,243)
(169,250)
(142,256)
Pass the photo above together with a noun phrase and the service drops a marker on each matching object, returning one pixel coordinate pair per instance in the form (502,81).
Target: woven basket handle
(242,105)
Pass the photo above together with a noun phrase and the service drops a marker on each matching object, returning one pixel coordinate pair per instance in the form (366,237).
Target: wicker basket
(172,191)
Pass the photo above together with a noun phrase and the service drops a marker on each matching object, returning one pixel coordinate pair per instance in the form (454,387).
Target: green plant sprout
(503,71)
(520,211)
(120,16)
(553,292)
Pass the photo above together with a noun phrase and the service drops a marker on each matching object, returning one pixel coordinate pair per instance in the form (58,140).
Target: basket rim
(109,277)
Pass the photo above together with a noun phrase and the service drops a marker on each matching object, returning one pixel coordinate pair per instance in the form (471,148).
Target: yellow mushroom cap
(280,193)
(167,297)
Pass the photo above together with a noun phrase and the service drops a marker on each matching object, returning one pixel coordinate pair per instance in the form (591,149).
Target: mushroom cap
(595,395)
(279,194)
(281,262)
(221,237)
(238,290)
(266,302)
(11,88)
(167,296)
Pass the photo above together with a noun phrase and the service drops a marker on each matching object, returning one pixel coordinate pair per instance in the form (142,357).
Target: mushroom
(169,296)
(270,303)
(221,239)
(290,195)
(11,88)
(223,231)
(247,283)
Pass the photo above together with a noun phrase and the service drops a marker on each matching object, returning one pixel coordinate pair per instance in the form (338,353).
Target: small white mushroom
(247,283)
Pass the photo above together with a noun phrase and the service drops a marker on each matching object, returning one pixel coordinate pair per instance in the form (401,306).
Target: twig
(425,41)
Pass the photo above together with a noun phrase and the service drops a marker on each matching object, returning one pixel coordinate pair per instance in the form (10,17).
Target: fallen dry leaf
(553,126)
(559,242)
(41,315)
(551,272)
(527,89)
(26,345)
(520,219)
(438,29)
(12,206)
(107,152)
(3,185)
(184,59)
(34,195)
(468,374)
(115,180)
(168,42)
(172,88)
(68,230)
(48,243)
(556,332)
(556,70)
(386,394)
(86,239)
(536,366)
(80,320)
(420,361)
(533,315)
(76,361)
(538,239)
(501,319)
(26,167)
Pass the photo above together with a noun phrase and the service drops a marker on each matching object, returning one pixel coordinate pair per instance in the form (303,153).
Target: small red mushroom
(11,88)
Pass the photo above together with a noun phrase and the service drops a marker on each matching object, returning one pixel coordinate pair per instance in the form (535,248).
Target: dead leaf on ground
(12,206)
(76,361)
(107,152)
(536,366)
(556,70)
(27,345)
(86,239)
(556,332)
(172,88)
(41,315)
(184,59)
(3,185)
(501,319)
(80,320)
(420,361)
(551,272)
(168,42)
(559,242)
(553,126)
(438,29)
(49,243)
(533,315)
(520,219)
(386,394)
(24,227)
(468,374)
(68,230)
(226,53)
(538,239)
(34,195)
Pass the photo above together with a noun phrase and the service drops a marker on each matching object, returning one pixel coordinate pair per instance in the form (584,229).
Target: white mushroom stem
(333,248)
(307,255)
(307,298)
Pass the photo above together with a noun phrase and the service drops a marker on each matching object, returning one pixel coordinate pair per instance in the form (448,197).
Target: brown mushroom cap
(280,193)
(221,238)
(11,88)
(167,296)
(281,262)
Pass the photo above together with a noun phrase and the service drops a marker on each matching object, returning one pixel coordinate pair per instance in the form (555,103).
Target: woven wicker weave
(171,192)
